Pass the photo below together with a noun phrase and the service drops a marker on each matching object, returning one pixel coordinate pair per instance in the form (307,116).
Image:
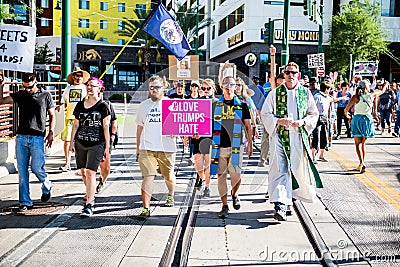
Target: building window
(390,8)
(201,14)
(44,22)
(128,79)
(140,8)
(222,26)
(121,7)
(221,2)
(213,32)
(121,41)
(83,23)
(233,19)
(103,6)
(44,3)
(240,15)
(84,4)
(201,40)
(103,40)
(20,12)
(121,26)
(103,24)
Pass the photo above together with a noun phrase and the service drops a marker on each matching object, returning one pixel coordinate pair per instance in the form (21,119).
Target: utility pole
(65,39)
(320,27)
(285,39)
(197,28)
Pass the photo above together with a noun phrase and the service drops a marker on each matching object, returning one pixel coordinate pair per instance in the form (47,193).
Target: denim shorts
(89,157)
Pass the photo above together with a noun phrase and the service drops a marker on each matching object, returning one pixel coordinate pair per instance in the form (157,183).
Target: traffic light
(307,7)
(269,32)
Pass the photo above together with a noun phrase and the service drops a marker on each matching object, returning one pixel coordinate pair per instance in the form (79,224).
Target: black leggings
(340,115)
(320,133)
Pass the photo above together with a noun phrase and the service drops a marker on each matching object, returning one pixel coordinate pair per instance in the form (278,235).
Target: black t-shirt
(227,122)
(90,131)
(112,113)
(32,111)
(175,95)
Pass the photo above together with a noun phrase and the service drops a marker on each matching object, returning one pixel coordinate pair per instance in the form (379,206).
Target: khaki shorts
(148,161)
(66,133)
(224,160)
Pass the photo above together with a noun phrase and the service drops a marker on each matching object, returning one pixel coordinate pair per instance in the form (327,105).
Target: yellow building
(103,17)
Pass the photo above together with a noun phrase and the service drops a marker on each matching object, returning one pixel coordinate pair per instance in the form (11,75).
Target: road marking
(370,180)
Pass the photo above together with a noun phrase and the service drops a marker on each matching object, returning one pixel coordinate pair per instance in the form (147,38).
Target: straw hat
(85,74)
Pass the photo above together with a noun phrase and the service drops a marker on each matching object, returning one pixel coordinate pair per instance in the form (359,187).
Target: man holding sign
(229,117)
(153,148)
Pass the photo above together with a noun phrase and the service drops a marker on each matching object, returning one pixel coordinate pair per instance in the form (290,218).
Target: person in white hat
(73,94)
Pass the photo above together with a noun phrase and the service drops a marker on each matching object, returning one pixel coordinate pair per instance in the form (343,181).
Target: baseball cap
(313,80)
(255,78)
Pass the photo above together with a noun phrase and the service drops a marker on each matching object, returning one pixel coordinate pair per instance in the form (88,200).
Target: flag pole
(119,53)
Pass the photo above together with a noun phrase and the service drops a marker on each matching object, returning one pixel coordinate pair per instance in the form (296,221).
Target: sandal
(99,187)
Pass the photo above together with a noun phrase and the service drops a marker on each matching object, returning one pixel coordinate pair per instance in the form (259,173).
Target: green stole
(216,137)
(283,133)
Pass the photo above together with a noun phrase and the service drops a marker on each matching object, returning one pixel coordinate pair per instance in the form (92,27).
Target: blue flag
(162,26)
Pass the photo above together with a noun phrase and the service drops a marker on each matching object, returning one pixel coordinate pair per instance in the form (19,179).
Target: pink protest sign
(186,117)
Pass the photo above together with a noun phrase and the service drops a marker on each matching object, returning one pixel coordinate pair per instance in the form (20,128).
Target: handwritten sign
(316,60)
(186,117)
(17,47)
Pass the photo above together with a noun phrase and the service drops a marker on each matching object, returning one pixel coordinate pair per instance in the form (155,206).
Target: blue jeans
(29,148)
(397,124)
(385,117)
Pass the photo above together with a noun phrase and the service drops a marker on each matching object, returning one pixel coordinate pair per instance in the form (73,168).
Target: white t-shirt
(149,116)
(71,96)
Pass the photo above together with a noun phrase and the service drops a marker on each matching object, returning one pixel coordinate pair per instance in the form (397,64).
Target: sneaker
(78,173)
(87,211)
(224,212)
(144,214)
(206,192)
(395,134)
(100,186)
(288,211)
(323,159)
(23,208)
(362,169)
(199,183)
(261,164)
(280,211)
(45,197)
(236,202)
(169,202)
(65,168)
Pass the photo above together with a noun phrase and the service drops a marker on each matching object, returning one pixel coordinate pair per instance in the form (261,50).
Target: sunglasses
(155,87)
(238,85)
(194,85)
(229,84)
(78,75)
(287,72)
(29,87)
(206,88)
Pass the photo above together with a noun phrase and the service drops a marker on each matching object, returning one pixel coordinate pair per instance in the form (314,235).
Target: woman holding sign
(202,145)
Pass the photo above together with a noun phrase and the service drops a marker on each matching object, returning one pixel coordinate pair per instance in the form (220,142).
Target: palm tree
(141,37)
(186,19)
(88,34)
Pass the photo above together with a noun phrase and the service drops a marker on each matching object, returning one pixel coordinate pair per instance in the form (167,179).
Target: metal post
(197,28)
(351,67)
(65,40)
(285,39)
(320,28)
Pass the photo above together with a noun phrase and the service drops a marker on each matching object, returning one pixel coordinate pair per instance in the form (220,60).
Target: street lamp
(65,37)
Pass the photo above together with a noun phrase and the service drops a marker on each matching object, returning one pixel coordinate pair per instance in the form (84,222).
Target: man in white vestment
(289,115)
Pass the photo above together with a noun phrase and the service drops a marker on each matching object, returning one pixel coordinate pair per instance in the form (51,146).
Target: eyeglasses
(229,84)
(287,72)
(155,87)
(238,85)
(93,86)
(194,85)
(29,87)
(206,88)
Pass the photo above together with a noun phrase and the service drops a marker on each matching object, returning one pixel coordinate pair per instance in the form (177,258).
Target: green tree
(357,30)
(144,53)
(88,34)
(5,13)
(43,54)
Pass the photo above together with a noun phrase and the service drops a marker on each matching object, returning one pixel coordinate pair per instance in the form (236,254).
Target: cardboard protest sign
(17,47)
(365,68)
(186,117)
(186,69)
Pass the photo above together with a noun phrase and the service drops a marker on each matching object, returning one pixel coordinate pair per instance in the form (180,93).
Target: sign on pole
(186,117)
(17,47)
(316,60)
(321,71)
(365,68)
